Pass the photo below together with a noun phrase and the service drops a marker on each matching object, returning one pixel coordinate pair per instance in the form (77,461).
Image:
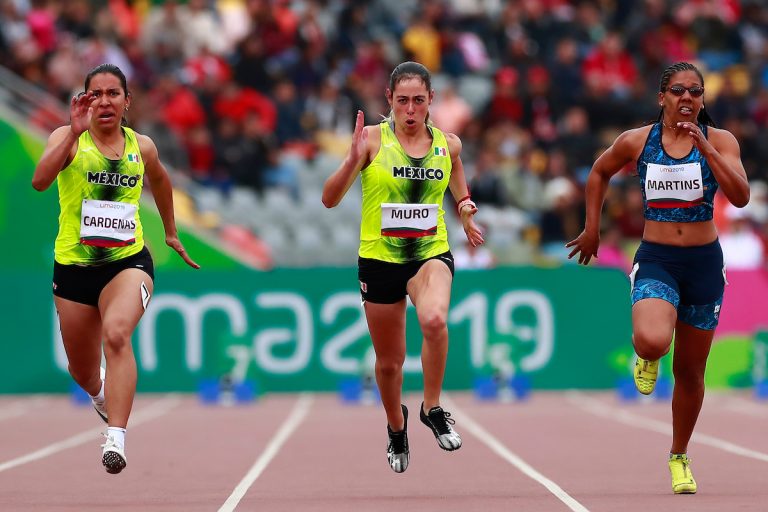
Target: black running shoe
(397,448)
(440,423)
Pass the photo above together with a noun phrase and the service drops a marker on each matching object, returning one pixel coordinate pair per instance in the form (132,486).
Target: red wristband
(463,198)
(463,203)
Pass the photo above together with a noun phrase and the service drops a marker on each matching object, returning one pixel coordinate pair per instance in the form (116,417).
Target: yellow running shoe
(682,478)
(645,375)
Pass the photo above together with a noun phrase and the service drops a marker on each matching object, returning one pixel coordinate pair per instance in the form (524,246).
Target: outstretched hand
(81,112)
(175,244)
(586,245)
(471,229)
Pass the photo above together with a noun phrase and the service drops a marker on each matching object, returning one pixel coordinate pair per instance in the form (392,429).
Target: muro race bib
(107,223)
(407,220)
(674,186)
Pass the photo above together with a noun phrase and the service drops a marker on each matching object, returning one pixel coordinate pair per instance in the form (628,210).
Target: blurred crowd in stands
(534,88)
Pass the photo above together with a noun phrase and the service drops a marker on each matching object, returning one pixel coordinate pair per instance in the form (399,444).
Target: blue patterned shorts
(692,279)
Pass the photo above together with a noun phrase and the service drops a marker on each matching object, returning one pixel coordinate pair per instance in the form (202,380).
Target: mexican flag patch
(133,157)
(441,151)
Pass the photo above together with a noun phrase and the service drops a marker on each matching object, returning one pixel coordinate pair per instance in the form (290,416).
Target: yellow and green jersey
(402,212)
(99,198)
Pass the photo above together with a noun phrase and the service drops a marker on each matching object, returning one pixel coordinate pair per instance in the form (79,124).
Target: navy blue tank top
(675,189)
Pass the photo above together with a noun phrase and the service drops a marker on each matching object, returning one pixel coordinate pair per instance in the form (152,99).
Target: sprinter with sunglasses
(678,275)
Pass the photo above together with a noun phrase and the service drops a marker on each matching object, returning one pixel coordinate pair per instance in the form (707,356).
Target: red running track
(556,452)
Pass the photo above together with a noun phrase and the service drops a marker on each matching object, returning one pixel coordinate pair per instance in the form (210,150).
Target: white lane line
(148,413)
(502,451)
(598,408)
(299,411)
(747,407)
(20,407)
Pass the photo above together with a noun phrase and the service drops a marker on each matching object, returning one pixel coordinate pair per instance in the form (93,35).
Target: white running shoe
(100,405)
(113,456)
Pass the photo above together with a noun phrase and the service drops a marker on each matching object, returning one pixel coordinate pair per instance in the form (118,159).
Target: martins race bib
(674,186)
(406,220)
(107,223)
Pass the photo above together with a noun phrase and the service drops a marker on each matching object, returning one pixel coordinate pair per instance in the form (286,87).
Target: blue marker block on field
(520,386)
(245,391)
(78,395)
(625,388)
(226,392)
(761,390)
(663,390)
(208,391)
(356,390)
(486,388)
(351,390)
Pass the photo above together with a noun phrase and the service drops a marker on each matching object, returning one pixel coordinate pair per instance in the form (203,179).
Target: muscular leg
(653,322)
(386,323)
(121,308)
(430,291)
(689,362)
(81,334)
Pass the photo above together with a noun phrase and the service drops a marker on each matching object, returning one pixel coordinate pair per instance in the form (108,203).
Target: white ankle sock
(99,397)
(118,434)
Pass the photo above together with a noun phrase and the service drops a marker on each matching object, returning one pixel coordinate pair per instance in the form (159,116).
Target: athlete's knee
(389,367)
(433,323)
(651,343)
(689,376)
(117,336)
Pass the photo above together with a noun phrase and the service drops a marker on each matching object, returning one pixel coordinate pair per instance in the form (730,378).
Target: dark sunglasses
(679,90)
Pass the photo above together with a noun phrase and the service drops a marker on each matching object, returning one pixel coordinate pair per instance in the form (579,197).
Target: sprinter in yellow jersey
(103,275)
(406,165)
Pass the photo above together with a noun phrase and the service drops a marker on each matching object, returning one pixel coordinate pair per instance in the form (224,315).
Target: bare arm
(338,183)
(62,144)
(724,158)
(460,190)
(625,149)
(162,190)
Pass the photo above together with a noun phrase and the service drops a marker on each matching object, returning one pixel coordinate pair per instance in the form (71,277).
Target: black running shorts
(382,282)
(84,284)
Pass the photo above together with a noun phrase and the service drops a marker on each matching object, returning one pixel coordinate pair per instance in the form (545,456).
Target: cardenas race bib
(406,220)
(107,223)
(674,186)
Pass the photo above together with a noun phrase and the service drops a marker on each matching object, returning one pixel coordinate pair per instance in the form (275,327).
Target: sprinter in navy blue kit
(678,275)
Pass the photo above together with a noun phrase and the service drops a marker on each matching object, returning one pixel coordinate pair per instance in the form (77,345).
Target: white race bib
(107,223)
(406,220)
(674,186)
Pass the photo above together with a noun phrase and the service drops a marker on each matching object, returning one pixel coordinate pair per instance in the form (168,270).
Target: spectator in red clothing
(236,102)
(181,108)
(609,68)
(505,103)
(206,65)
(42,25)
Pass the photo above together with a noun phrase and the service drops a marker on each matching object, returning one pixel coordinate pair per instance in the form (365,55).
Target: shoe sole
(113,462)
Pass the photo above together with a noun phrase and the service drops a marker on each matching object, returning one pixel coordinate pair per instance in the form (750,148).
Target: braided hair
(703,117)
